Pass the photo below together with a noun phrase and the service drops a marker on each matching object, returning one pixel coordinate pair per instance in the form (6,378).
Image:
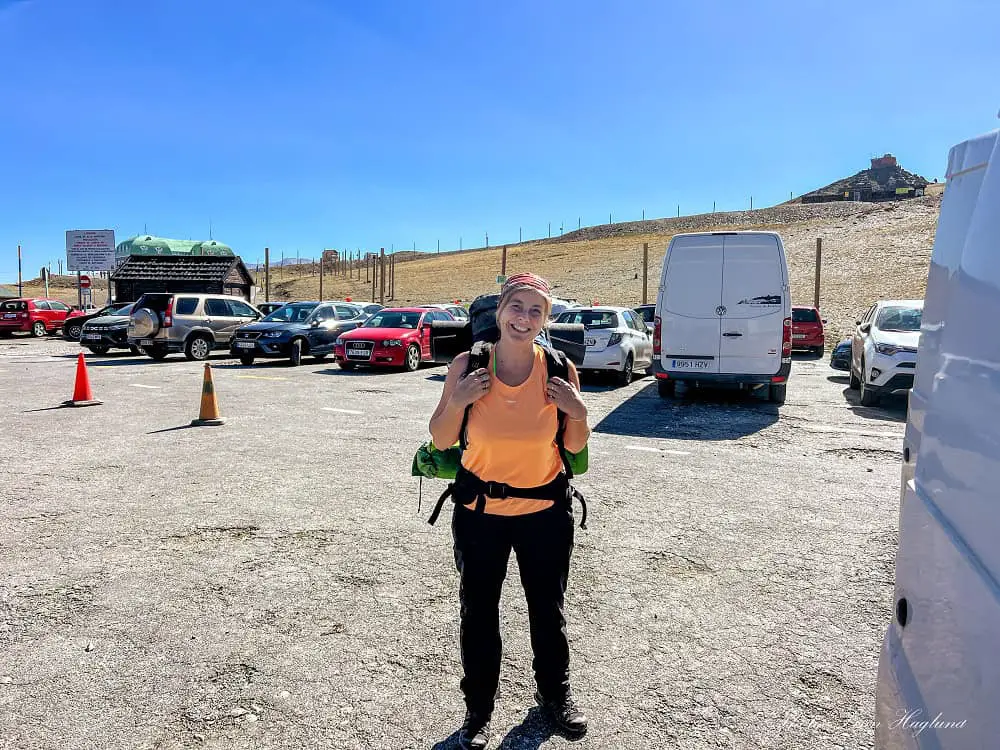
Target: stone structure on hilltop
(884,181)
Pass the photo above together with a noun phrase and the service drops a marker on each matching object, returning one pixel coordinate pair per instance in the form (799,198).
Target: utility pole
(392,276)
(645,270)
(550,230)
(487,240)
(267,274)
(819,266)
(519,235)
(503,262)
(439,247)
(374,274)
(381,289)
(20,284)
(321,259)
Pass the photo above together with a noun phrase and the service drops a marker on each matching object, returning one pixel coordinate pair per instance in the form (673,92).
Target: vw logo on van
(720,310)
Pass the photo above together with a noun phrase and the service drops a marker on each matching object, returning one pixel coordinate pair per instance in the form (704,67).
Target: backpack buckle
(496,490)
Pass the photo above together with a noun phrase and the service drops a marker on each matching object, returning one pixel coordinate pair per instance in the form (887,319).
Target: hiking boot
(564,713)
(475,731)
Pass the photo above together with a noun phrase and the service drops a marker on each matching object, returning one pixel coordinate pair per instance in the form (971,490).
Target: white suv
(616,339)
(884,348)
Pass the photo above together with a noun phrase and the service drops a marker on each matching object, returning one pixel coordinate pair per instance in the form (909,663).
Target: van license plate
(690,364)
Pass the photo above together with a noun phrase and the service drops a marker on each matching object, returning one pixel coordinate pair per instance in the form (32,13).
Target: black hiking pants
(543,544)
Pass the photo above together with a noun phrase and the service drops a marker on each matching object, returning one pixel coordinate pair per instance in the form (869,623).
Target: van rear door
(754,300)
(690,296)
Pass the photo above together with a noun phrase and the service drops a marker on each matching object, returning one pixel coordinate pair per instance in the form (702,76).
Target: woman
(511,440)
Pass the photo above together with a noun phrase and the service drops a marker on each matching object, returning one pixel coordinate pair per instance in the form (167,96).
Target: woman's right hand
(471,387)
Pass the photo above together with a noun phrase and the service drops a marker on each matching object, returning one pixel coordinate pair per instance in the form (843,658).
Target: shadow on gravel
(534,731)
(807,356)
(693,414)
(890,409)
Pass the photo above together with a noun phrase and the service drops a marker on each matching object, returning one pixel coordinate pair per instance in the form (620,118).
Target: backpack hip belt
(468,487)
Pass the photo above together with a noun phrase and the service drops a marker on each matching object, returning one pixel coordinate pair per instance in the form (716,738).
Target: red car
(35,315)
(391,337)
(807,329)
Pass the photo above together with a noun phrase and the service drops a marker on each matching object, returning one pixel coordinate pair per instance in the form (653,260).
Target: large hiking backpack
(433,463)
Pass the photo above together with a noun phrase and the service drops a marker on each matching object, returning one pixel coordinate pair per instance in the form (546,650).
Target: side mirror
(824,321)
(314,324)
(866,328)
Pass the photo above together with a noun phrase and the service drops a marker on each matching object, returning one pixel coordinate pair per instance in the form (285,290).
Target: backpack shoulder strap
(479,356)
(558,367)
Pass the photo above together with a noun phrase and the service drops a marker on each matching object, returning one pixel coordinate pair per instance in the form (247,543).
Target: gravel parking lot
(270,583)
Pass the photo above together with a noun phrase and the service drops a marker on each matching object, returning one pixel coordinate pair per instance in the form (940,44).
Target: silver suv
(191,323)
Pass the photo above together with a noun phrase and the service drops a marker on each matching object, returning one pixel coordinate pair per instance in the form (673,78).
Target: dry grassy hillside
(870,251)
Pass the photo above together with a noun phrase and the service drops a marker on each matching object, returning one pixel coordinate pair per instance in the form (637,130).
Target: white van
(724,313)
(939,670)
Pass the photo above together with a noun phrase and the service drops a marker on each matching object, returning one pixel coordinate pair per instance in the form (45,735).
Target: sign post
(89,250)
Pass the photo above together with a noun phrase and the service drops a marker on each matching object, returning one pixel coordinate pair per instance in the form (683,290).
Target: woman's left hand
(566,398)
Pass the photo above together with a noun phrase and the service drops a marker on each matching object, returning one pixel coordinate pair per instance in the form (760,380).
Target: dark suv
(296,329)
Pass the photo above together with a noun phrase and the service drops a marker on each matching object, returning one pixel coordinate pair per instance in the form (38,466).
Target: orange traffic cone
(82,395)
(209,414)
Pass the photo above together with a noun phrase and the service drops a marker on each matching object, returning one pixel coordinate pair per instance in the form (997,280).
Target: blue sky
(307,124)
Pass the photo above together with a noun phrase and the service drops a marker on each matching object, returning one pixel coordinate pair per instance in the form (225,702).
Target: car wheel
(38,329)
(777,393)
(869,396)
(99,349)
(295,356)
(74,330)
(625,376)
(412,361)
(347,365)
(197,348)
(855,381)
(246,359)
(156,352)
(666,388)
(320,357)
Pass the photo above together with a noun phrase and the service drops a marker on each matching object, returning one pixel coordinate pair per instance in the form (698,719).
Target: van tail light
(786,339)
(168,314)
(656,335)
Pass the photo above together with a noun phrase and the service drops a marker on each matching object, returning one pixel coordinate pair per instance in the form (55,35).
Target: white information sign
(90,250)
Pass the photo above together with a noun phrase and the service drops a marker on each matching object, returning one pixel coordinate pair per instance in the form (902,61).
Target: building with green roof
(150,245)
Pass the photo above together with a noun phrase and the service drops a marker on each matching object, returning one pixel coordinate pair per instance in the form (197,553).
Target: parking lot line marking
(259,377)
(140,385)
(342,411)
(666,451)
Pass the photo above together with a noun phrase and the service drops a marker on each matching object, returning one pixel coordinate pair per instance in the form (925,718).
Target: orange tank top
(512,439)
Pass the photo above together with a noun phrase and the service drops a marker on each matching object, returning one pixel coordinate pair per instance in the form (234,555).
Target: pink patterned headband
(521,280)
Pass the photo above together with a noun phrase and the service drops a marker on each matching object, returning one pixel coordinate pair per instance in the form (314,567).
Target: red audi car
(391,337)
(35,315)
(807,329)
